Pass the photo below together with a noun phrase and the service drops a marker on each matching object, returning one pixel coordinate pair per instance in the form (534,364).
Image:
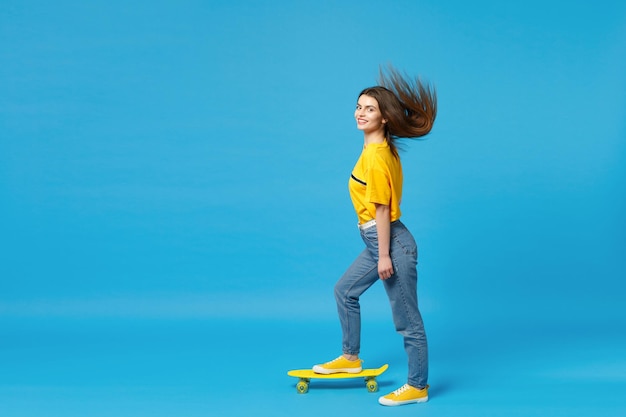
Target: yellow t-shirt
(376,178)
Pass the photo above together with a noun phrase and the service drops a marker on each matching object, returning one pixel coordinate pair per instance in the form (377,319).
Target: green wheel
(302,387)
(372,385)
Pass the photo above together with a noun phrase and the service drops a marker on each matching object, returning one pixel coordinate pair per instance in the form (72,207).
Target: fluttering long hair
(408,105)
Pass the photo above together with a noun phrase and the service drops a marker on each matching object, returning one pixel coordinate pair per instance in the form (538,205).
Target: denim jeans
(401,290)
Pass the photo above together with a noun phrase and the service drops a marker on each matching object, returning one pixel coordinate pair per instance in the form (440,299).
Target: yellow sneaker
(340,364)
(406,394)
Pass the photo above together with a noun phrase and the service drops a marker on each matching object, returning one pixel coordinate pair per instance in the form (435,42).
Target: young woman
(397,108)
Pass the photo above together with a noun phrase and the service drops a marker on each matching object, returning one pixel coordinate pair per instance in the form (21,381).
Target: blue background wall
(173,176)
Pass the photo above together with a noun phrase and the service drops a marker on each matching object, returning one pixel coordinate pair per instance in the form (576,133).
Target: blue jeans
(401,289)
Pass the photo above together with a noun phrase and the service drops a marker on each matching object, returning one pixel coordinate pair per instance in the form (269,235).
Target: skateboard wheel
(372,385)
(302,387)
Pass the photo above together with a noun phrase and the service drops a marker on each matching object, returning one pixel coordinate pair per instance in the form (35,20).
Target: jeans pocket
(404,240)
(370,237)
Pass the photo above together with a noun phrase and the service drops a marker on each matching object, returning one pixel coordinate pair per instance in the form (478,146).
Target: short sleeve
(378,186)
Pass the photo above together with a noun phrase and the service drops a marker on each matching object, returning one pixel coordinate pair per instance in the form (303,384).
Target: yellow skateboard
(306,375)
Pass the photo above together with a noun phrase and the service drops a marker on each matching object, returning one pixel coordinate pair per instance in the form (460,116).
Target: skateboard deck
(306,375)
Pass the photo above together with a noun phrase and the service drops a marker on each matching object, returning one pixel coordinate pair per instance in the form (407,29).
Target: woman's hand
(385,267)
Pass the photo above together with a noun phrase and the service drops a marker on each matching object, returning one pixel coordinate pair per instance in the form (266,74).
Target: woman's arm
(383,228)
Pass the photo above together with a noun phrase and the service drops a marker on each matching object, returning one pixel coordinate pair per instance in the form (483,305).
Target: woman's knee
(340,293)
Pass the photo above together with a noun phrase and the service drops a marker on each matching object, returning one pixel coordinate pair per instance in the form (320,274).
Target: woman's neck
(373,137)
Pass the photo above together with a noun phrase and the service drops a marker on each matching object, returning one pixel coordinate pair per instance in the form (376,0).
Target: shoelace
(400,390)
(335,360)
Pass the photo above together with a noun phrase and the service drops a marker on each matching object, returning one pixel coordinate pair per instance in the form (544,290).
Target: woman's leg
(361,275)
(402,292)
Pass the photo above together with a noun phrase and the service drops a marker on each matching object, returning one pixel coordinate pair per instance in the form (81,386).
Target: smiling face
(368,117)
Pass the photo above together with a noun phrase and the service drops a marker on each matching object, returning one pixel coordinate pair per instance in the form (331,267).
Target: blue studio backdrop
(173,191)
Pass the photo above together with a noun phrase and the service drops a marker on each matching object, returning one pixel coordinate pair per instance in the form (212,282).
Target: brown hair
(408,105)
